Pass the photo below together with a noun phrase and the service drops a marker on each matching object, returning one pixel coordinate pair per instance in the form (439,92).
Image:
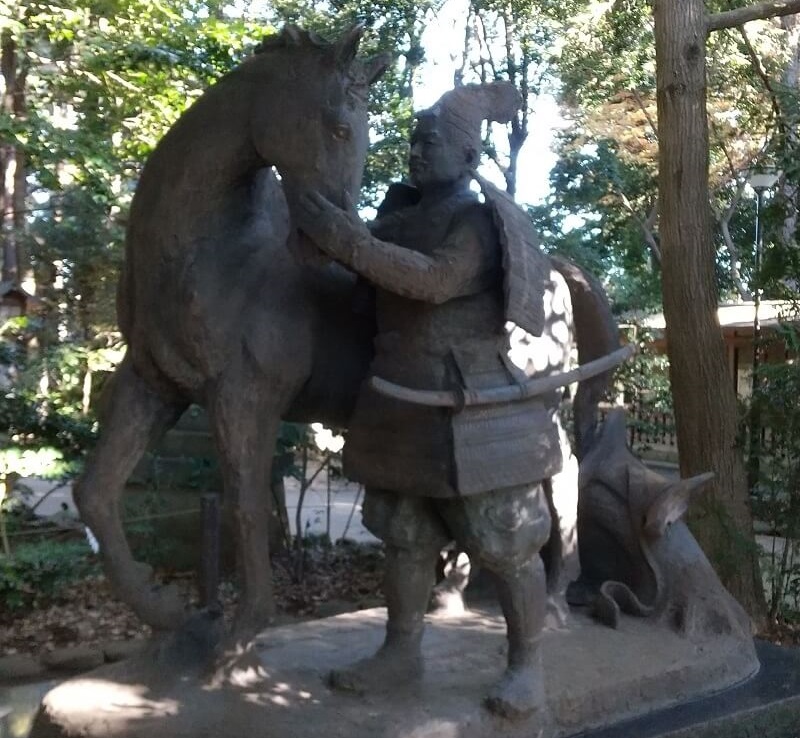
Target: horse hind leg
(133,416)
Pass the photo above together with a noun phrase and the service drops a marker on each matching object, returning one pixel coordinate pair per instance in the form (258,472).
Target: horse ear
(672,502)
(375,66)
(347,45)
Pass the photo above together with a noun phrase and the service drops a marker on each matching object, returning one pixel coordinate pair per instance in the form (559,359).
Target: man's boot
(522,592)
(408,580)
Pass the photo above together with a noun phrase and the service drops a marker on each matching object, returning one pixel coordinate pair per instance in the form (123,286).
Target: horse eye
(342,132)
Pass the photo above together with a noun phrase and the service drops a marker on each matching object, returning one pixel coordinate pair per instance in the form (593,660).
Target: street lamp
(760,182)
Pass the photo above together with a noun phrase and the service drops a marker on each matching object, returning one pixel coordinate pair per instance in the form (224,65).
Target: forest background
(89,87)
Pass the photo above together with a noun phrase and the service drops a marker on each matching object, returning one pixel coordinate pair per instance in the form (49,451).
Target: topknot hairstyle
(462,110)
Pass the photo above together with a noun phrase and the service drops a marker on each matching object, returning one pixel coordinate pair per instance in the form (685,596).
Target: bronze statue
(215,309)
(444,291)
(244,259)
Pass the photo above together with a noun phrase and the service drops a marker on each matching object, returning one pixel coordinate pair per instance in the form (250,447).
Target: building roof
(13,288)
(14,292)
(740,315)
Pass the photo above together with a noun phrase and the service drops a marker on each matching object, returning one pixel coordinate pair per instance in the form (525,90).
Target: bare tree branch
(646,112)
(649,229)
(721,141)
(483,36)
(723,219)
(765,80)
(491,152)
(458,74)
(646,225)
(758,11)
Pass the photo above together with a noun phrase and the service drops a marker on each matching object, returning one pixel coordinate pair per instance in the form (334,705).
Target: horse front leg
(245,409)
(134,416)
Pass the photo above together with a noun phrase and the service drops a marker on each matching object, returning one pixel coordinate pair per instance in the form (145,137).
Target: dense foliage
(39,571)
(776,493)
(603,204)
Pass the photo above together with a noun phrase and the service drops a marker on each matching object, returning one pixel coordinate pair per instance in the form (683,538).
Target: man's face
(435,159)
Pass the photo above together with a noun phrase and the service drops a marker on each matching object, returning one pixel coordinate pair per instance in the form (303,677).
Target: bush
(774,425)
(37,572)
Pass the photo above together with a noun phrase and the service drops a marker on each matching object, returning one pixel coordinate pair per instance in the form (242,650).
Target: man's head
(436,156)
(446,142)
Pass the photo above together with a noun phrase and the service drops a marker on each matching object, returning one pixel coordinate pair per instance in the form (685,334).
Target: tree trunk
(12,162)
(702,388)
(791,81)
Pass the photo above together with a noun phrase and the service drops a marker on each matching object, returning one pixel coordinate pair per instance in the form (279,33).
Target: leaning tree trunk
(702,388)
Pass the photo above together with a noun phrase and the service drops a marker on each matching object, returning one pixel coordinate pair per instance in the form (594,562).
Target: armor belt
(503,393)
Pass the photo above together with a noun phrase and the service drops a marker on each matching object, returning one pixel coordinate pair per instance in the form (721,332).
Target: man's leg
(413,534)
(504,531)
(523,598)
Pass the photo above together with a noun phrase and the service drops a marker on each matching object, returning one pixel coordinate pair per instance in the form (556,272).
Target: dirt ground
(343,578)
(86,613)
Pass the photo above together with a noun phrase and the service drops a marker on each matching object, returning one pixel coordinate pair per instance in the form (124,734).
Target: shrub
(37,572)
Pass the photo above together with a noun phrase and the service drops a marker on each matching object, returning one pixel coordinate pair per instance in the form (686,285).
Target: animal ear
(375,66)
(347,45)
(671,503)
(292,35)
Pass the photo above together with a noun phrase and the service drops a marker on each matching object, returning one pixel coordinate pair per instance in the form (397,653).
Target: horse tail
(597,335)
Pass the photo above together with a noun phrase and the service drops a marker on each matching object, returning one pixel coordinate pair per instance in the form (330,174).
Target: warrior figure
(446,281)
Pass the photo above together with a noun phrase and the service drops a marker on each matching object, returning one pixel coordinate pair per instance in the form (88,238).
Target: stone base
(767,706)
(595,677)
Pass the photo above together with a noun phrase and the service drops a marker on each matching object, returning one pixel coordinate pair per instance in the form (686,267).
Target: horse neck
(208,156)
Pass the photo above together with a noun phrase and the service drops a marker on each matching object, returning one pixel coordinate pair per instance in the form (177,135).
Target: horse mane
(357,75)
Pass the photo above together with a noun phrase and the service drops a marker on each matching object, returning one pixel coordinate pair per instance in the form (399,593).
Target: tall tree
(88,89)
(607,70)
(703,395)
(14,67)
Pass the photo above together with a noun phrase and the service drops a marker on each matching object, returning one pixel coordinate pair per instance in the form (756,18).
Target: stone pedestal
(595,677)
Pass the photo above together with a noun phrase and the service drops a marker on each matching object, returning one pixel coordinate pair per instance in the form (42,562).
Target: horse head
(317,136)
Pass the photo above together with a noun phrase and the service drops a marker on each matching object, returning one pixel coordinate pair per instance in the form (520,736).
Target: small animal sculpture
(637,556)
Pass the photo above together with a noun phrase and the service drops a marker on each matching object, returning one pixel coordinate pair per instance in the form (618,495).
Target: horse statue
(217,309)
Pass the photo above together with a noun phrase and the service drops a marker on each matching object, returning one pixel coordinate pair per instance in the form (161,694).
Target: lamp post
(760,182)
